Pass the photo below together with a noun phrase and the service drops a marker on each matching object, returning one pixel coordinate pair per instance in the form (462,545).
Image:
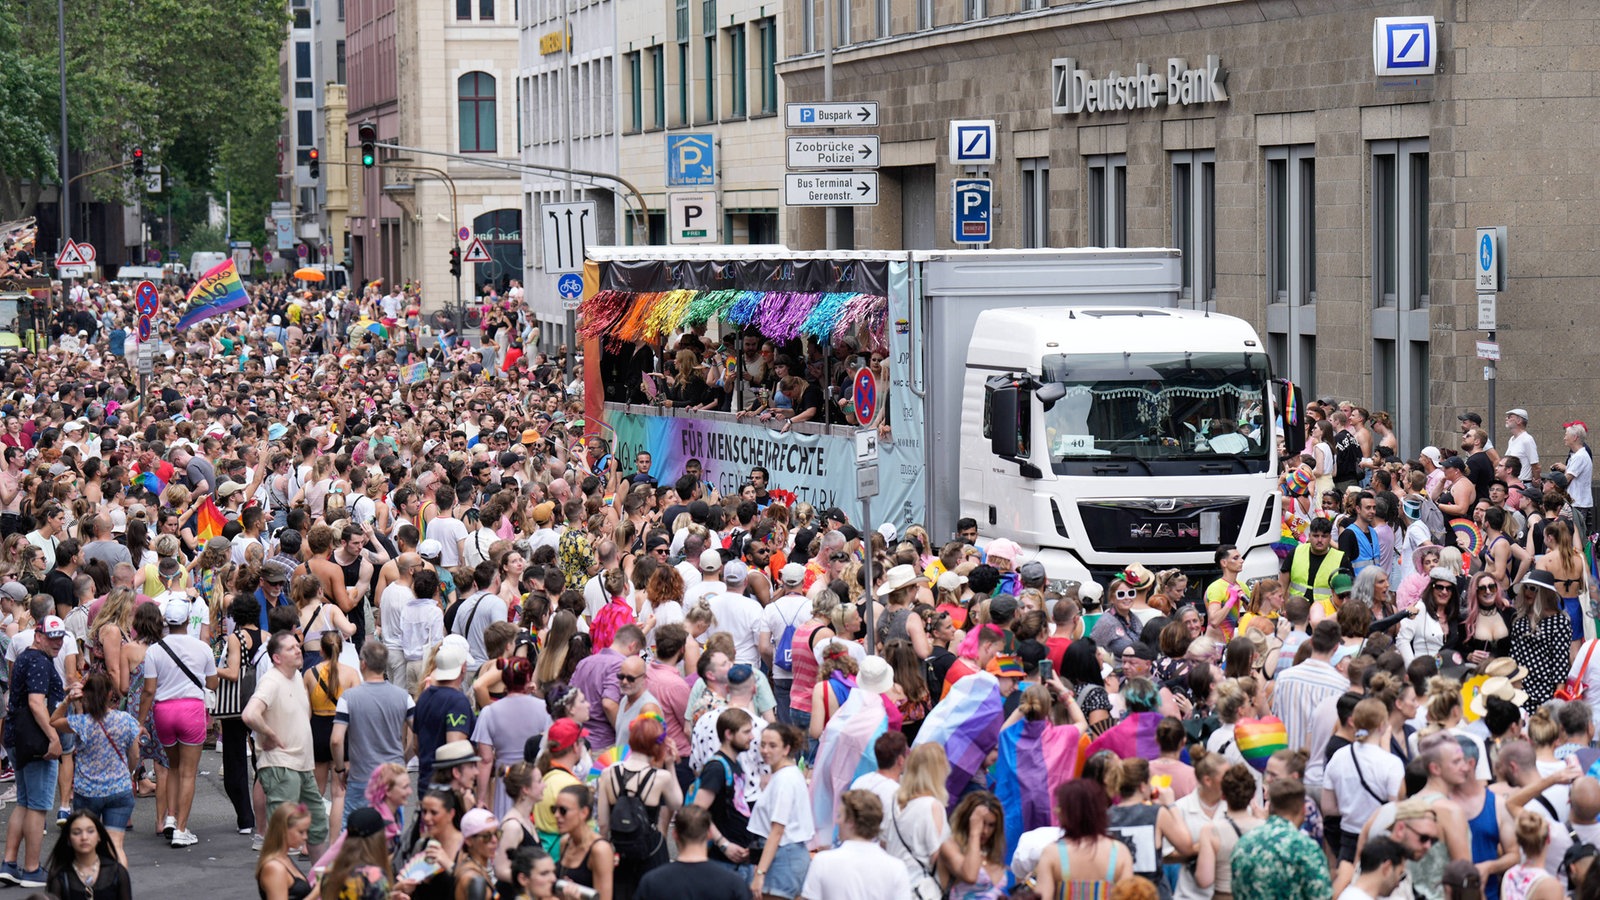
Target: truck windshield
(1158,406)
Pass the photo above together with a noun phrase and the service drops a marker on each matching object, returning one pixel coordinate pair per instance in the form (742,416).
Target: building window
(976,9)
(1108,200)
(303,91)
(683,82)
(924,14)
(338,62)
(636,91)
(738,74)
(843,30)
(302,18)
(486,10)
(1036,202)
(768,29)
(302,59)
(305,128)
(658,80)
(1194,188)
(1400,289)
(808,25)
(341,10)
(1291,245)
(682,19)
(475,109)
(464,10)
(710,77)
(881,18)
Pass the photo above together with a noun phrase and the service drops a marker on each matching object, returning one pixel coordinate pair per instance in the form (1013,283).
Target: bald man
(390,605)
(1585,798)
(635,695)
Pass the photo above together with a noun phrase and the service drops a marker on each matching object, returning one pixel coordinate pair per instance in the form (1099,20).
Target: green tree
(27,92)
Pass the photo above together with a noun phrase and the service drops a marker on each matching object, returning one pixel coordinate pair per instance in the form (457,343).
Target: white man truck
(1061,398)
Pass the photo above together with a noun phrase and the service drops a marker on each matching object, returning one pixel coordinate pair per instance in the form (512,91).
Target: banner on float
(818,469)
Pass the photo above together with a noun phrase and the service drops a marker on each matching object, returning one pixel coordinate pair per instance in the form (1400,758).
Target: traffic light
(368,134)
(314,162)
(455,262)
(138,162)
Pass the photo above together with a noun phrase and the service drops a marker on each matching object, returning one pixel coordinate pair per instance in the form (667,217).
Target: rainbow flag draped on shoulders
(967,724)
(217,291)
(844,754)
(1133,736)
(1034,758)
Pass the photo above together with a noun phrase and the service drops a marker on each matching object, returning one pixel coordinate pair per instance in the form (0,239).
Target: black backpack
(633,829)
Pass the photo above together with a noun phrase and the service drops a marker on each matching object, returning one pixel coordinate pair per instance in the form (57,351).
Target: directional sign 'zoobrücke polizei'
(833,152)
(830,189)
(831,115)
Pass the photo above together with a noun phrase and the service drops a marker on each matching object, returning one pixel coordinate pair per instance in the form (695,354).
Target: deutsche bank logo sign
(1407,45)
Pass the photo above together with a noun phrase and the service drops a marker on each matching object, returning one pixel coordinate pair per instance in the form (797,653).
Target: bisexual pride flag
(1035,758)
(217,291)
(967,724)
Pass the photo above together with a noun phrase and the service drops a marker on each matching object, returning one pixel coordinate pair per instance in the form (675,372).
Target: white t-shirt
(171,682)
(739,616)
(786,801)
(878,783)
(24,639)
(912,834)
(1194,818)
(391,607)
(691,576)
(1382,771)
(855,870)
(449,532)
(791,609)
(1522,446)
(1354,893)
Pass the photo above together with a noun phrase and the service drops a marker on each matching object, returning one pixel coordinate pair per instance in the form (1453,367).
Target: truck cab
(1100,434)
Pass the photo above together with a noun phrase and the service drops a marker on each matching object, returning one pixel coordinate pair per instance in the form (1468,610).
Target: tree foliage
(194,83)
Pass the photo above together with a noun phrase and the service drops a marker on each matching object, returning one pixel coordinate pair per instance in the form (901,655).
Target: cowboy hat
(897,578)
(1507,668)
(1500,687)
(875,675)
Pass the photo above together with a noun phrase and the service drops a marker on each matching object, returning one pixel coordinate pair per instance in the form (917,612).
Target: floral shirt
(575,556)
(1278,862)
(102,757)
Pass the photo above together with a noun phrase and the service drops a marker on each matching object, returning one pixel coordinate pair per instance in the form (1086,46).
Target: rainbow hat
(1006,666)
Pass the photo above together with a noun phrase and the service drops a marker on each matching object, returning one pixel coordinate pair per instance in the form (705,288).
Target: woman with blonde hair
(1360,777)
(167,546)
(317,617)
(1541,636)
(111,629)
(277,876)
(1236,698)
(208,575)
(1565,565)
(914,825)
(553,657)
(1530,879)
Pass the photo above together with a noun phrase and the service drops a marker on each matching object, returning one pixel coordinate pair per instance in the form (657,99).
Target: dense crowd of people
(449,645)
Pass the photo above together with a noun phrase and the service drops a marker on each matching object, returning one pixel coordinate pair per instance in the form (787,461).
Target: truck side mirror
(1049,393)
(1001,417)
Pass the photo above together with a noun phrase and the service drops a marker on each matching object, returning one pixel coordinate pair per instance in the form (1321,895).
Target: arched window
(475,109)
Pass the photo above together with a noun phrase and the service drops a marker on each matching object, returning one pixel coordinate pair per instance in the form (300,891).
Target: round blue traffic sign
(1486,253)
(570,286)
(866,395)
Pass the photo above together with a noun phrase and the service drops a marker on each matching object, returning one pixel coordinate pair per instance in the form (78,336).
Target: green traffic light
(367,160)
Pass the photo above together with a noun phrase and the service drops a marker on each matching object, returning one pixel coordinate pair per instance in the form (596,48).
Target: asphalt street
(220,867)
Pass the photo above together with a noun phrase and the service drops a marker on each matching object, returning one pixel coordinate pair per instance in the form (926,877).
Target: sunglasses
(839,557)
(1428,839)
(628,678)
(565,810)
(1127,593)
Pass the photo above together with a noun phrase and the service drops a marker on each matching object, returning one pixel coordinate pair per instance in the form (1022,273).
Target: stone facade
(1503,135)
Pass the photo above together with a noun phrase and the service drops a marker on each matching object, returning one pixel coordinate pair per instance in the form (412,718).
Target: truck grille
(1153,525)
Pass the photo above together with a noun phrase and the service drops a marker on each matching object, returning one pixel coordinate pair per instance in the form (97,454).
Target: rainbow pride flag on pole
(217,291)
(209,520)
(844,754)
(967,724)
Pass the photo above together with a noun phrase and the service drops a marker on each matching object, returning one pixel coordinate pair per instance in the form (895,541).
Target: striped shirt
(1298,691)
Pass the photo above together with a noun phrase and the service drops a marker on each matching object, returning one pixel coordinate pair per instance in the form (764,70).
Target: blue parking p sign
(691,160)
(970,208)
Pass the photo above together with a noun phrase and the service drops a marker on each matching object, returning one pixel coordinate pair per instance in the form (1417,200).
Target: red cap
(563,734)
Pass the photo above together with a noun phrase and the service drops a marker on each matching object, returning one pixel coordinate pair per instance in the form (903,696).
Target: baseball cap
(735,572)
(740,673)
(1341,583)
(55,628)
(544,512)
(175,610)
(1003,607)
(563,734)
(950,581)
(430,549)
(1455,462)
(1520,413)
(274,574)
(1432,453)
(835,514)
(1006,666)
(1139,650)
(1003,548)
(1031,572)
(448,662)
(793,574)
(366,822)
(1558,479)
(477,821)
(1472,417)
(229,488)
(14,590)
(427,450)
(710,560)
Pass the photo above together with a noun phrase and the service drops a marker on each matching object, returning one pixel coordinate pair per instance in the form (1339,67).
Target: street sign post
(831,115)
(971,203)
(692,217)
(1489,350)
(147,300)
(830,189)
(1491,266)
(866,446)
(570,287)
(568,230)
(1488,311)
(833,152)
(70,255)
(477,253)
(865,397)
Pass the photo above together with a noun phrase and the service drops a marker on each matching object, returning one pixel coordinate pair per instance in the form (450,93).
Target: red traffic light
(313,154)
(138,153)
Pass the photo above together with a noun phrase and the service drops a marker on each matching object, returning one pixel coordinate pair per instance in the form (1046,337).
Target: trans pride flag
(217,291)
(967,724)
(844,754)
(1034,759)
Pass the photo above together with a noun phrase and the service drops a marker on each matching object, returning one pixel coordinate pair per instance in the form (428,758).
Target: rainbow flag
(150,481)
(1133,736)
(209,521)
(967,724)
(217,291)
(1034,758)
(605,759)
(414,373)
(844,754)
(1258,739)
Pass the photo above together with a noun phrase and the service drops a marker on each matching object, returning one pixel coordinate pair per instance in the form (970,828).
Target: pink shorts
(181,721)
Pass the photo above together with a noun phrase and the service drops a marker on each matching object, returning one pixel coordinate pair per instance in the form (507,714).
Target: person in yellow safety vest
(1309,570)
